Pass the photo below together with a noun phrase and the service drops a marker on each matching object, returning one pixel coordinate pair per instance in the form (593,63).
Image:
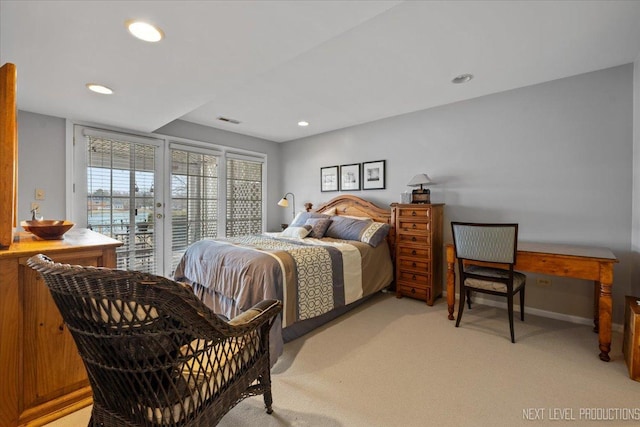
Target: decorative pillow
(318,226)
(299,232)
(346,228)
(366,231)
(302,218)
(375,233)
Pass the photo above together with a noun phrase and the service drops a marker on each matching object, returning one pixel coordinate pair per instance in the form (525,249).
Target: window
(194,199)
(119,181)
(244,197)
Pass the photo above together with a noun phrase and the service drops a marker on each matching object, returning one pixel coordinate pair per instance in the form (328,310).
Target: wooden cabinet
(43,377)
(631,342)
(418,242)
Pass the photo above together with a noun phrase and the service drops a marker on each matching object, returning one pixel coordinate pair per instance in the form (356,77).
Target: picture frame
(373,175)
(329,178)
(350,177)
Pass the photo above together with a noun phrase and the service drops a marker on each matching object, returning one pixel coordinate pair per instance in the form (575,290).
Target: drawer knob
(414,277)
(413,252)
(413,213)
(413,238)
(414,264)
(413,291)
(414,226)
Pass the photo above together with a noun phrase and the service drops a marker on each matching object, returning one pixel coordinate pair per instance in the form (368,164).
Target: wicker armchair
(154,353)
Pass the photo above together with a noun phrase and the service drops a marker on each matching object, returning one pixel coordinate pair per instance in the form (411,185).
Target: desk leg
(604,321)
(451,282)
(596,307)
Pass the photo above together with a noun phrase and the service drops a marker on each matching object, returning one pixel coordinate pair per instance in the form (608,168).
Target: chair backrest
(137,335)
(485,242)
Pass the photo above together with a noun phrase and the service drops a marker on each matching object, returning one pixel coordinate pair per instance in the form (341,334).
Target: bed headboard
(355,206)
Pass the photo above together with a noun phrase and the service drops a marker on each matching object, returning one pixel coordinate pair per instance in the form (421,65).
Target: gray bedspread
(311,276)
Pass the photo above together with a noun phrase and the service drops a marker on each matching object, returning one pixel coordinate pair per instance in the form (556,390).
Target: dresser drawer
(413,239)
(413,264)
(413,278)
(413,291)
(406,213)
(407,251)
(409,226)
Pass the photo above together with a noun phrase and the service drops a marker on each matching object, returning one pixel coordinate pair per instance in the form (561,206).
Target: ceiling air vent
(228,120)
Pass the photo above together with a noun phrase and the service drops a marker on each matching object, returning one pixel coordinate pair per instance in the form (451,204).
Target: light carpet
(399,362)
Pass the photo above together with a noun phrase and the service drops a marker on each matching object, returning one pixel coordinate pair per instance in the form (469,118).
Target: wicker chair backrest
(154,353)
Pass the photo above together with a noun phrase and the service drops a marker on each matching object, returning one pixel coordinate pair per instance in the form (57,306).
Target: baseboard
(479,299)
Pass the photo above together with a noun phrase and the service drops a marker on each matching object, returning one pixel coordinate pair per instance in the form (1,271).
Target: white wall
(556,157)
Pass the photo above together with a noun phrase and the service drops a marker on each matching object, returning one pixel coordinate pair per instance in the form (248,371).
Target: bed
(327,262)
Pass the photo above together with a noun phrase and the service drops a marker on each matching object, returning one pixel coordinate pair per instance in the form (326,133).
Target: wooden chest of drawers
(418,248)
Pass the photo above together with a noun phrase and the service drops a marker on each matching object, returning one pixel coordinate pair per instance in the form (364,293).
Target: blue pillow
(318,226)
(366,231)
(302,218)
(346,228)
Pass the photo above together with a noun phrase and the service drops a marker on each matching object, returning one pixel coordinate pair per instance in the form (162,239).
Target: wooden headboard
(355,206)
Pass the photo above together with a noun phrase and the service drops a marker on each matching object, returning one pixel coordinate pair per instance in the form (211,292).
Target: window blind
(244,196)
(194,199)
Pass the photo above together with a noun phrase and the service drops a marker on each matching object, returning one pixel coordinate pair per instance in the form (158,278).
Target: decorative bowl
(47,229)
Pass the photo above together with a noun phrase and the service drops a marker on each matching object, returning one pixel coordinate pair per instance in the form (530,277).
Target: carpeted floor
(398,362)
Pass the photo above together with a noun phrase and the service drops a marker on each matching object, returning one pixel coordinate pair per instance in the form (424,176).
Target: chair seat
(226,360)
(489,273)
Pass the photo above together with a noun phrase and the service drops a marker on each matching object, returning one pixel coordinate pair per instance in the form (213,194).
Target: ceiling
(270,64)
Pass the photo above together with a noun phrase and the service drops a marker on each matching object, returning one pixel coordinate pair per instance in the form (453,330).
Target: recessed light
(462,78)
(99,88)
(303,123)
(144,31)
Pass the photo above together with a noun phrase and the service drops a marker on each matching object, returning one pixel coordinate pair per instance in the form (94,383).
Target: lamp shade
(284,202)
(420,180)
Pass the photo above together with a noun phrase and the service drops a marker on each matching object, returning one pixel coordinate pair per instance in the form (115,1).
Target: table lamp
(420,195)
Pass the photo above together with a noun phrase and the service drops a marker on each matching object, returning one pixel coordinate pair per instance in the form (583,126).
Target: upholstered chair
(494,246)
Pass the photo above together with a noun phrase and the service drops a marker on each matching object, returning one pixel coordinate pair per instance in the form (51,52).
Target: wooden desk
(562,260)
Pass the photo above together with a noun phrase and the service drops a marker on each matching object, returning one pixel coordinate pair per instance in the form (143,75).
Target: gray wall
(41,161)
(556,157)
(41,164)
(635,241)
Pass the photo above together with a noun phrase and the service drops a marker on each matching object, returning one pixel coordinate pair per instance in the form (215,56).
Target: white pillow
(298,232)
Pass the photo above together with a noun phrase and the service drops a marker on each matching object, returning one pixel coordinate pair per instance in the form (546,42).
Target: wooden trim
(8,153)
(355,206)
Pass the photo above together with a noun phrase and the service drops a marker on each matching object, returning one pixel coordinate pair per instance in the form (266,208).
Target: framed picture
(350,177)
(373,174)
(329,178)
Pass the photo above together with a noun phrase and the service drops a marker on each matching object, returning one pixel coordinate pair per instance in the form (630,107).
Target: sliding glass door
(121,196)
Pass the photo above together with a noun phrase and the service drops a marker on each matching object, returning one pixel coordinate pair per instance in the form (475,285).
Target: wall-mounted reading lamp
(285,203)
